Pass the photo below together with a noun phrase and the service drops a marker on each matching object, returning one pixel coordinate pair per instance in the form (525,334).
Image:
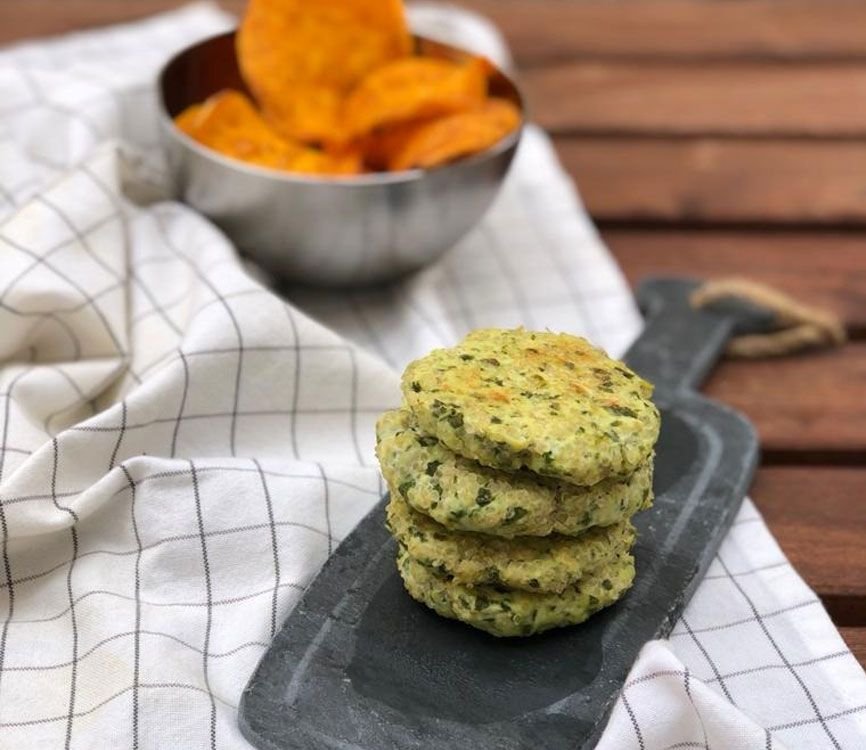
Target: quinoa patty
(463,495)
(541,564)
(504,612)
(550,403)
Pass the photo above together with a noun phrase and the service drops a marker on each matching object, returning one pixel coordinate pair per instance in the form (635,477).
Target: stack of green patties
(515,464)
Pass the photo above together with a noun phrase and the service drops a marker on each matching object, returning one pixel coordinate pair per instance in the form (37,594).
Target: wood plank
(818,516)
(557,29)
(810,404)
(755,99)
(856,640)
(562,29)
(823,268)
(35,18)
(716,180)
(807,407)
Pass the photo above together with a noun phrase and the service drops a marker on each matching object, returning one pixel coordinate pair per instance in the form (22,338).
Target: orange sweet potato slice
(346,159)
(447,138)
(414,88)
(300,57)
(382,145)
(229,123)
(187,119)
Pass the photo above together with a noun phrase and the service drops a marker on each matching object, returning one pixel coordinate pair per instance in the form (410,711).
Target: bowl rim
(505,143)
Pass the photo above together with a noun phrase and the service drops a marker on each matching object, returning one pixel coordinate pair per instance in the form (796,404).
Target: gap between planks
(802,403)
(736,98)
(807,406)
(825,268)
(818,516)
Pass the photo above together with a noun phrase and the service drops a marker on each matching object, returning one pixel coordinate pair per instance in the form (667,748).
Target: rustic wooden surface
(856,639)
(708,139)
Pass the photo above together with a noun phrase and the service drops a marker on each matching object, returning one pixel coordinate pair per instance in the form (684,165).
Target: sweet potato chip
(383,145)
(229,123)
(188,119)
(346,159)
(414,88)
(447,138)
(300,57)
(337,90)
(308,114)
(225,110)
(310,161)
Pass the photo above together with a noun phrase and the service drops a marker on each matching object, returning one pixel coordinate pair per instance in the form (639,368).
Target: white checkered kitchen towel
(181,449)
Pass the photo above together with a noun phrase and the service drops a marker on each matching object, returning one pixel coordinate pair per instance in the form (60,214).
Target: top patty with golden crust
(552,403)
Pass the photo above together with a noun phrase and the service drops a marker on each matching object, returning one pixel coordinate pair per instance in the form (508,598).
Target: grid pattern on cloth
(181,449)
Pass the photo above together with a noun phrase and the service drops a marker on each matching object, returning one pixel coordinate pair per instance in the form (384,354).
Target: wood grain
(809,403)
(561,29)
(714,180)
(818,516)
(822,268)
(557,29)
(24,19)
(807,407)
(755,99)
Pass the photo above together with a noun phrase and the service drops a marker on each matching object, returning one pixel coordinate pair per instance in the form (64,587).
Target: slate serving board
(358,664)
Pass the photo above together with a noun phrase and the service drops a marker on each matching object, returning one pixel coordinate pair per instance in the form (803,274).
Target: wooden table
(709,139)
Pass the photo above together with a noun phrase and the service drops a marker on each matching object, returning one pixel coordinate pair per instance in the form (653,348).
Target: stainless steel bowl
(337,231)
